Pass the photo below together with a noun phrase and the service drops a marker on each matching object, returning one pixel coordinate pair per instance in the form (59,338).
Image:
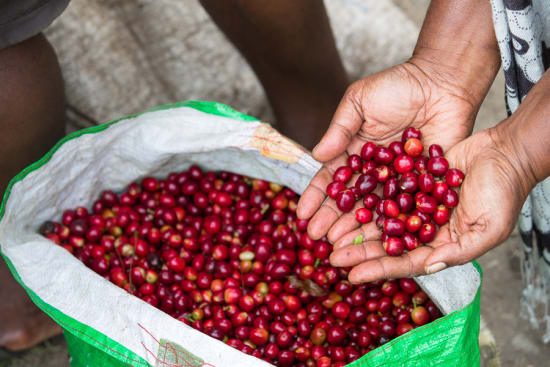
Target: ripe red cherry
(363,215)
(414,222)
(390,188)
(388,328)
(354,162)
(403,328)
(450,199)
(394,246)
(439,191)
(150,184)
(435,151)
(401,299)
(284,339)
(368,167)
(341,310)
(397,148)
(391,209)
(437,166)
(427,233)
(358,297)
(409,133)
(426,204)
(420,164)
(408,182)
(342,174)
(420,316)
(441,215)
(408,285)
(285,358)
(366,184)
(367,151)
(389,288)
(414,147)
(454,177)
(411,241)
(426,182)
(271,350)
(176,264)
(403,163)
(345,201)
(383,155)
(405,202)
(336,335)
(364,339)
(259,336)
(394,227)
(382,173)
(370,200)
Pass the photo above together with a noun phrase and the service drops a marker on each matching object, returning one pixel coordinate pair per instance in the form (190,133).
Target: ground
(518,344)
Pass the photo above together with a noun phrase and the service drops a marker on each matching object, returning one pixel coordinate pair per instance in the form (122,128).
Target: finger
(345,123)
(391,267)
(323,219)
(315,193)
(352,255)
(368,232)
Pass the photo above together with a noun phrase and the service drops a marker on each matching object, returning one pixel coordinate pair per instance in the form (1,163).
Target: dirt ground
(518,344)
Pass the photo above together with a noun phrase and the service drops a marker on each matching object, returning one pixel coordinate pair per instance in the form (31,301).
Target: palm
(397,98)
(486,209)
(378,109)
(490,200)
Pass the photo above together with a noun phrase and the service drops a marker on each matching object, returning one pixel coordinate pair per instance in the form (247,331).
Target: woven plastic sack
(104,325)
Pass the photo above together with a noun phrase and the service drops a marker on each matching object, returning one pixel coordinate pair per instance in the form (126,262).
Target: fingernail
(434,268)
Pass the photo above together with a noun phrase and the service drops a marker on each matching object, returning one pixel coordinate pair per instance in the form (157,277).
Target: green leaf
(358,240)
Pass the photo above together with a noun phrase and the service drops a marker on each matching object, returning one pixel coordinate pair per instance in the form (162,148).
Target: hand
(490,199)
(378,108)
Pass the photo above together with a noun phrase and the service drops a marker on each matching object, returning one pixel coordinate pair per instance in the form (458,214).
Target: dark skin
(455,62)
(290,46)
(32,119)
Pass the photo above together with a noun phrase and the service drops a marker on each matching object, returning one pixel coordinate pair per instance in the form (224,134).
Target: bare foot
(22,323)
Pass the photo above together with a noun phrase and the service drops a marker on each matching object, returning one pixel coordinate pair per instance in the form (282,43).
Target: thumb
(470,245)
(345,123)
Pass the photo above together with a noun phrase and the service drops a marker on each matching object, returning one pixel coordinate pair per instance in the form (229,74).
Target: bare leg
(290,46)
(31,120)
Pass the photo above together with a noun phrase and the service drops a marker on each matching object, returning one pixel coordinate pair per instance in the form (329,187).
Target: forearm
(457,45)
(525,137)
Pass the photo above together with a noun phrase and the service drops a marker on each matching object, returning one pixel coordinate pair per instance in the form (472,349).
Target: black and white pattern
(522,30)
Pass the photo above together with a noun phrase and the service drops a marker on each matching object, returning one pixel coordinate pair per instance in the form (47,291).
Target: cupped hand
(490,199)
(378,109)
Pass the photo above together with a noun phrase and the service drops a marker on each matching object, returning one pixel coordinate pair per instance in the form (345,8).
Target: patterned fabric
(522,29)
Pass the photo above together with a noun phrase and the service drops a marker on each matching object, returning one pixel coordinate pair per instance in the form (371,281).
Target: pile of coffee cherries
(226,255)
(418,192)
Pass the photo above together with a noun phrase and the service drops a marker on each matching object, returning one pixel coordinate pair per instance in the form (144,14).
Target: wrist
(466,72)
(457,44)
(523,140)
